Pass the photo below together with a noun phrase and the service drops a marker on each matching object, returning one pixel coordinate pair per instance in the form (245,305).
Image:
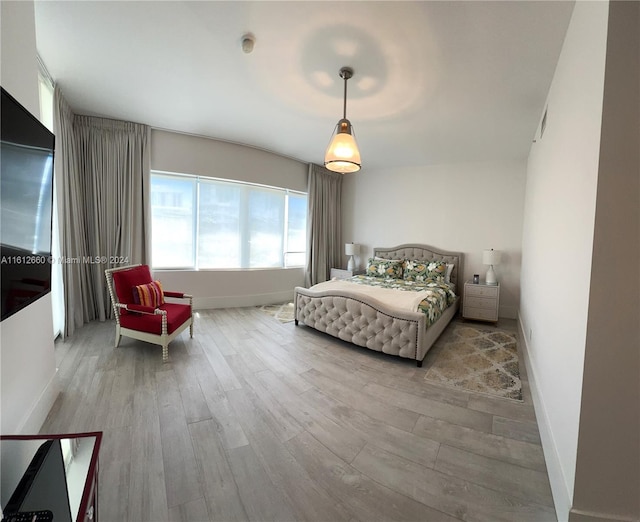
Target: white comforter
(401,300)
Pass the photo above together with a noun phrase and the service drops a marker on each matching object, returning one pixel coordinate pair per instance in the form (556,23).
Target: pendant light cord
(344,110)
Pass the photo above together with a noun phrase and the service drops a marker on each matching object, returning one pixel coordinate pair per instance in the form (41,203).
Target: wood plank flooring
(257,420)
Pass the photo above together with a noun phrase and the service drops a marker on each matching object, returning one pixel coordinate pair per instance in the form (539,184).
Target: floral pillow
(418,270)
(385,268)
(150,294)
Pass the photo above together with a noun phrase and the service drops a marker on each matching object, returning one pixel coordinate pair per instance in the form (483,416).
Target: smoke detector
(248,41)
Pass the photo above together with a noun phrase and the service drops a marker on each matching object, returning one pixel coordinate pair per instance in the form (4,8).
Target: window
(200,223)
(45,89)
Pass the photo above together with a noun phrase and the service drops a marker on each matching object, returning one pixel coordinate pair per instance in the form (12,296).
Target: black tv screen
(26,202)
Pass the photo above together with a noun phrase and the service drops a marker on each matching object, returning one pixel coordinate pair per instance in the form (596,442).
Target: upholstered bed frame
(367,322)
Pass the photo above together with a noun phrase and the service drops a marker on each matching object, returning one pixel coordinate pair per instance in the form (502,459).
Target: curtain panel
(103,179)
(324,224)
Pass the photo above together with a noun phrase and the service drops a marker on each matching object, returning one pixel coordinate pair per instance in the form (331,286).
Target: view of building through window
(201,223)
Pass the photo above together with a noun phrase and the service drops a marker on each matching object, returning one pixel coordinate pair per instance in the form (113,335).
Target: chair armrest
(179,295)
(141,309)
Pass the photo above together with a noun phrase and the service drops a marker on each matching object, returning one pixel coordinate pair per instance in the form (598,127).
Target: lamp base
(352,263)
(490,278)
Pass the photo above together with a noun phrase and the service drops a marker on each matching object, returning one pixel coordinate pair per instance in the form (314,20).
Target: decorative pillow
(125,280)
(385,268)
(150,294)
(418,270)
(447,276)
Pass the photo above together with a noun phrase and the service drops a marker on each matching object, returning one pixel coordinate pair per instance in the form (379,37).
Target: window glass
(46,102)
(265,227)
(173,204)
(296,230)
(210,223)
(219,230)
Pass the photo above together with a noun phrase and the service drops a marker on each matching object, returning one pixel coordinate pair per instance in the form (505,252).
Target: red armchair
(140,310)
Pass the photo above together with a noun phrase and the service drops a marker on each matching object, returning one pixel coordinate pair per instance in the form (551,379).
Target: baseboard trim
(242,301)
(579,515)
(35,418)
(562,497)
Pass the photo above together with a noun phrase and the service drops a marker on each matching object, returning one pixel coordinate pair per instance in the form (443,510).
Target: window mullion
(285,232)
(196,225)
(245,232)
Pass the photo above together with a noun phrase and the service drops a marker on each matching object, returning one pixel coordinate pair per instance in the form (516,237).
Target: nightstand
(481,301)
(341,273)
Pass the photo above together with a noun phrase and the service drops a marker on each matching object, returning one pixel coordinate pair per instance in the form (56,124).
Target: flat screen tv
(26,202)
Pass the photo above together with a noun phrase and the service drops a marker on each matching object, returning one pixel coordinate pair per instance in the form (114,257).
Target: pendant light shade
(342,154)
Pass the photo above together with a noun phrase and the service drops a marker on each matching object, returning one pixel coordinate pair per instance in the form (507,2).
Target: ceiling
(434,82)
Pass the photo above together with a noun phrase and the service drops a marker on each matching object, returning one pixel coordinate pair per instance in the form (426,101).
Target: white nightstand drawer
(480,302)
(481,290)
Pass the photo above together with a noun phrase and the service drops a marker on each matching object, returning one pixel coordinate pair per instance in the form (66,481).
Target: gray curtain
(324,224)
(103,172)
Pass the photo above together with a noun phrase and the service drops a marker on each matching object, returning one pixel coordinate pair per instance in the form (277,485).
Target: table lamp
(491,257)
(351,249)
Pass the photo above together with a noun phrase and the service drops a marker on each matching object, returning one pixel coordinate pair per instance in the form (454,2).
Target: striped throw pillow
(150,294)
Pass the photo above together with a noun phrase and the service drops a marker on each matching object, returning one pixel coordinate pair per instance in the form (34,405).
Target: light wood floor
(256,420)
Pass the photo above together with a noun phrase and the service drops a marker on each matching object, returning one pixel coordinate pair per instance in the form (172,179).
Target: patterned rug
(476,358)
(282,312)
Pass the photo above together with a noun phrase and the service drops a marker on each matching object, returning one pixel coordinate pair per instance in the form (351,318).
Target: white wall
(562,175)
(29,384)
(607,482)
(19,74)
(187,154)
(233,288)
(460,207)
(182,153)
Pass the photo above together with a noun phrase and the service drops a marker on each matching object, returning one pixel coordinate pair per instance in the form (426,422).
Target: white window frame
(46,98)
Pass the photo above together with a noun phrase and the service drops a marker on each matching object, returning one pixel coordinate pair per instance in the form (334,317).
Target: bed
(382,321)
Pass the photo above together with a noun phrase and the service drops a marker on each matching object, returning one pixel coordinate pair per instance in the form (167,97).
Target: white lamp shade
(491,257)
(351,249)
(342,154)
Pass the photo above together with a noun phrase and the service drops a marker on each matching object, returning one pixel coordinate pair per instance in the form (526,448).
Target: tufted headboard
(427,253)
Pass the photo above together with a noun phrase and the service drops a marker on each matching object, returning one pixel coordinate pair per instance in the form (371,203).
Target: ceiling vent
(543,125)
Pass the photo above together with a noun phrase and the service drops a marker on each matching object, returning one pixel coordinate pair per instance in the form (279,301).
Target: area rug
(481,359)
(282,312)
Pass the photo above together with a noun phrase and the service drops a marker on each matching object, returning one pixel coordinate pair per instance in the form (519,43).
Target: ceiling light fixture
(342,154)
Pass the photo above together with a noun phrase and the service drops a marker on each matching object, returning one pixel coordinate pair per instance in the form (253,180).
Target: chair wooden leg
(191,329)
(165,352)
(118,335)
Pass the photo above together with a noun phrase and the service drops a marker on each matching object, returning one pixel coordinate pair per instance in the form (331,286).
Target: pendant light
(342,154)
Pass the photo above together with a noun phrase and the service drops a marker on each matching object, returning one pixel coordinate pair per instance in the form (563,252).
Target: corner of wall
(35,418)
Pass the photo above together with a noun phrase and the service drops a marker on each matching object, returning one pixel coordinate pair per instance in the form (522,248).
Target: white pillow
(447,275)
(378,258)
